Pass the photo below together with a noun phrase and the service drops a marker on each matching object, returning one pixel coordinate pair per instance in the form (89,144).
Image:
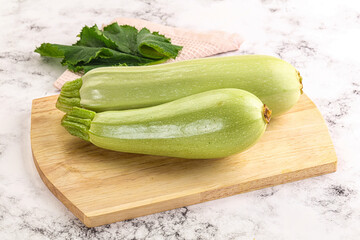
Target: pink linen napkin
(195,44)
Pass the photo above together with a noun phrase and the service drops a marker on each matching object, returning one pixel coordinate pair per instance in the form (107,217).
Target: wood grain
(101,186)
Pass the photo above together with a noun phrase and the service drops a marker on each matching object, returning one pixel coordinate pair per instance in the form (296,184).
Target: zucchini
(211,124)
(274,81)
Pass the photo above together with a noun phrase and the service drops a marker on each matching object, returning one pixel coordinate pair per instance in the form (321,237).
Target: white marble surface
(321,38)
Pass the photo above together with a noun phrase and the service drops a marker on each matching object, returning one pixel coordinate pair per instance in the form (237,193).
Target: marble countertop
(320,38)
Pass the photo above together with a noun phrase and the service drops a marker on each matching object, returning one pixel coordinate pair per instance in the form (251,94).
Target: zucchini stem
(300,80)
(77,122)
(69,96)
(267,113)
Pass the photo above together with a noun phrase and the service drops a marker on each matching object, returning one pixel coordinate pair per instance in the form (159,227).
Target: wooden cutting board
(101,186)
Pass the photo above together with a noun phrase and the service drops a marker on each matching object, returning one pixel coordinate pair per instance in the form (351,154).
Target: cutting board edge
(58,194)
(200,197)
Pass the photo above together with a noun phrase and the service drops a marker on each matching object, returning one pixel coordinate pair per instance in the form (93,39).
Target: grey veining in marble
(320,38)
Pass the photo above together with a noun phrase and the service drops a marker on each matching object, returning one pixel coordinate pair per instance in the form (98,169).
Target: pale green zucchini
(211,124)
(274,81)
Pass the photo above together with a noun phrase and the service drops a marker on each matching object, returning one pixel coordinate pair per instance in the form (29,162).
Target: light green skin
(274,81)
(212,124)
